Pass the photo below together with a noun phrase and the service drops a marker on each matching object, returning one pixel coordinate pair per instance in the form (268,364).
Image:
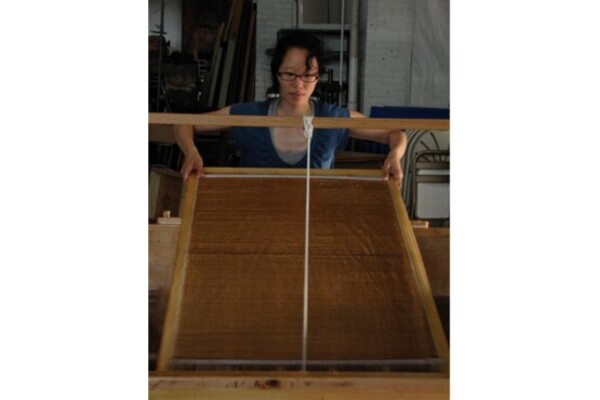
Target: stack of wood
(231,76)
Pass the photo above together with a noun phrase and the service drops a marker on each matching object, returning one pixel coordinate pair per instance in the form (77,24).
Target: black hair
(296,38)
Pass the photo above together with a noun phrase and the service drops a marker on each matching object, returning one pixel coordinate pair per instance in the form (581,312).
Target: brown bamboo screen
(239,291)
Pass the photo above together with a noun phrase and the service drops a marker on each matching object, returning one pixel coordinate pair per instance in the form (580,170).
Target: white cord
(308,131)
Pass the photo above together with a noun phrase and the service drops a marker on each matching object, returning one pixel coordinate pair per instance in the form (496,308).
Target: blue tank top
(257,149)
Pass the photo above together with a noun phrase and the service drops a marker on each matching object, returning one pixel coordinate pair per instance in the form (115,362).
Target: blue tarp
(398,112)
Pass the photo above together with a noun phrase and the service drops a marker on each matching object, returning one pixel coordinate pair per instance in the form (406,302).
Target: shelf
(323,28)
(327,55)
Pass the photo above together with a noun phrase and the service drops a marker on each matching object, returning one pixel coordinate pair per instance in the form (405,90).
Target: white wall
(387,27)
(172,21)
(430,70)
(405,53)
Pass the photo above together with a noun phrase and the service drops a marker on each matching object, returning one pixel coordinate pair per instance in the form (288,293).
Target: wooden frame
(165,383)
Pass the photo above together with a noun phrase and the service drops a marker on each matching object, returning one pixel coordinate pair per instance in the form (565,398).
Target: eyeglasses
(288,76)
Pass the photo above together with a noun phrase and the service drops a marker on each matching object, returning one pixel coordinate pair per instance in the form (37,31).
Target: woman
(295,71)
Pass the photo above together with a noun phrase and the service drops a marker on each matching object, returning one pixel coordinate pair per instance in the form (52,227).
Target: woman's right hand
(192,163)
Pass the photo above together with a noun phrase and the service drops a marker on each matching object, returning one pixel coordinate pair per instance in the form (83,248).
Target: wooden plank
(297,122)
(292,172)
(229,19)
(250,82)
(226,76)
(236,15)
(230,47)
(291,385)
(162,246)
(215,78)
(239,57)
(247,53)
(168,221)
(208,95)
(169,333)
(416,223)
(421,275)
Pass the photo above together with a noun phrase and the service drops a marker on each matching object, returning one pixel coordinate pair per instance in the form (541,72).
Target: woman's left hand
(392,167)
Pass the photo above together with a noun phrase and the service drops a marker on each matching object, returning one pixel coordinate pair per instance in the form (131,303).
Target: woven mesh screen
(242,299)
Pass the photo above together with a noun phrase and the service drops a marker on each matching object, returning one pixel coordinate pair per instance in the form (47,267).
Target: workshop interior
(300,282)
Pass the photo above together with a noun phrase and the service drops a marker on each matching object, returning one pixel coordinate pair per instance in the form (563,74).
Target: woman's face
(297,91)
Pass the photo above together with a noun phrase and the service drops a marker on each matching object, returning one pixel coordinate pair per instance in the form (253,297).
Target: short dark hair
(296,38)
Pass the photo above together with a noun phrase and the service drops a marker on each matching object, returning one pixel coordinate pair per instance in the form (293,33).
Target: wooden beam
(247,52)
(292,172)
(213,75)
(169,333)
(296,122)
(226,77)
(298,385)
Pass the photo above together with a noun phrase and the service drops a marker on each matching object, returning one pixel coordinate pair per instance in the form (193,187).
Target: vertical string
(308,129)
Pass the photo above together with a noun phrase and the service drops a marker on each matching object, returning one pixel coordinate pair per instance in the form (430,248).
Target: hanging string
(308,131)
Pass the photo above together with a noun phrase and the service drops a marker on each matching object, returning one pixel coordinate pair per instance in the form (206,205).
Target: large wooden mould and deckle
(238,290)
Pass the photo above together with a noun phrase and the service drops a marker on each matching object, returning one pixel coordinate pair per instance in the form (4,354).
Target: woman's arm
(397,141)
(391,165)
(184,135)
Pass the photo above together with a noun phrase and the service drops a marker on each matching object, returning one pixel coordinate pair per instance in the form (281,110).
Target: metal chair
(431,186)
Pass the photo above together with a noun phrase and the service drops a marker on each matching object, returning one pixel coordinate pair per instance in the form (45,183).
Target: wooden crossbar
(292,172)
(296,122)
